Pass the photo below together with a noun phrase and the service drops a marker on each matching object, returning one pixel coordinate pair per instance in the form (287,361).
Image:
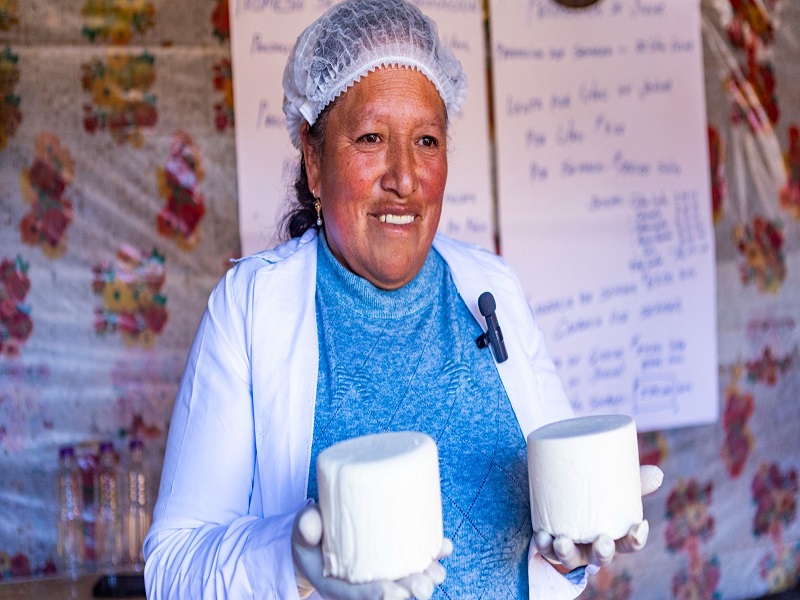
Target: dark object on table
(119,586)
(577,3)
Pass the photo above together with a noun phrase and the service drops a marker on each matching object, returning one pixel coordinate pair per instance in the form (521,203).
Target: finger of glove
(636,538)
(309,526)
(436,573)
(391,590)
(544,544)
(307,562)
(652,478)
(307,555)
(446,550)
(419,585)
(568,553)
(331,588)
(602,550)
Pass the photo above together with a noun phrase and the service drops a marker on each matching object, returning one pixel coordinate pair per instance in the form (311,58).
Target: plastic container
(108,530)
(70,515)
(137,517)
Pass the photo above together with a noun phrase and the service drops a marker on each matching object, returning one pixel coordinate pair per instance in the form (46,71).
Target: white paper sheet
(604,200)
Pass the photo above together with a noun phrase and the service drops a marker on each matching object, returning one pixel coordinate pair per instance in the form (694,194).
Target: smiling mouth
(396,219)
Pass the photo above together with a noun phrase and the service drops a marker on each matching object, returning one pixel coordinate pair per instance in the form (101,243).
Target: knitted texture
(407,360)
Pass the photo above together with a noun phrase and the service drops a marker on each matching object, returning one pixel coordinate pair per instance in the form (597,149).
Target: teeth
(396,219)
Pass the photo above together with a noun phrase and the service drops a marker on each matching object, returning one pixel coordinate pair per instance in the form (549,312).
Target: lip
(402,213)
(395,219)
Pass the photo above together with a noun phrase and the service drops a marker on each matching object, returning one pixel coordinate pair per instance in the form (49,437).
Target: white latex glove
(307,556)
(600,552)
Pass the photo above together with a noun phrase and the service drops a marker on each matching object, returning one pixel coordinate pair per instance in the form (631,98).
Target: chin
(394,277)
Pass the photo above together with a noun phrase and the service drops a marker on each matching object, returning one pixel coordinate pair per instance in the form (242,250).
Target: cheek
(351,180)
(344,207)
(435,180)
(436,170)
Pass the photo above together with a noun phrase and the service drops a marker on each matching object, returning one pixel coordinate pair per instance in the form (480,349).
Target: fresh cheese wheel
(584,477)
(381,506)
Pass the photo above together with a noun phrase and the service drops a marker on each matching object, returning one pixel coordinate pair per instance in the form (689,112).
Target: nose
(400,175)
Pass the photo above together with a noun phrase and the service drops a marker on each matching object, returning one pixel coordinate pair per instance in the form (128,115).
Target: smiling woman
(365,321)
(380,175)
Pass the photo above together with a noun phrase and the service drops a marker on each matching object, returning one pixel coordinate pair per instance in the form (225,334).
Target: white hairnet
(358,36)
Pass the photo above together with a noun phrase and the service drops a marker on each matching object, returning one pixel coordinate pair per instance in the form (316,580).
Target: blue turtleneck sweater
(407,360)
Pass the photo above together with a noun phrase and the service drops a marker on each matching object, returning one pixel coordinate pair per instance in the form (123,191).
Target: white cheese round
(584,477)
(381,506)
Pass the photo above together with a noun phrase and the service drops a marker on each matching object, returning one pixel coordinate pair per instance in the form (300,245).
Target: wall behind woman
(118,209)
(118,205)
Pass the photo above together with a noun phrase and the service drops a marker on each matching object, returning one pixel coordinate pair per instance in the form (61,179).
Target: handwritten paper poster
(262,35)
(604,199)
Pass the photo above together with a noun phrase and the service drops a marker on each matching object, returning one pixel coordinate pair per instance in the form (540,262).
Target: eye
(369,138)
(429,141)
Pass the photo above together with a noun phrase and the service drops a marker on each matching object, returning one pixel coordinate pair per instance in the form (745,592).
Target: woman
(365,321)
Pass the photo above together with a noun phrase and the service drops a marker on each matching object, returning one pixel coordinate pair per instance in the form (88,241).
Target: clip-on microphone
(493,336)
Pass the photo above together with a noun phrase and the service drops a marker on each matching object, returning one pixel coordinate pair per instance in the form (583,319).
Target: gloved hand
(601,551)
(308,565)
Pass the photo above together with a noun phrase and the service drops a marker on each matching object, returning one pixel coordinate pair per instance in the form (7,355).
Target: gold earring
(318,206)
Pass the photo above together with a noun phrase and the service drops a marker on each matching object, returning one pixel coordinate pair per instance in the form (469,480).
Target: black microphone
(493,336)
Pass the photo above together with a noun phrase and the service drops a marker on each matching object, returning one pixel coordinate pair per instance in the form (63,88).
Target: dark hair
(302,214)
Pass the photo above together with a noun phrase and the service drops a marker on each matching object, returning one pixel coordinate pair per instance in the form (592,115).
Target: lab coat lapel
(284,387)
(474,272)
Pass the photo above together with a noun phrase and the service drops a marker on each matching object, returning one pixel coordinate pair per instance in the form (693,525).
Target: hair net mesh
(355,37)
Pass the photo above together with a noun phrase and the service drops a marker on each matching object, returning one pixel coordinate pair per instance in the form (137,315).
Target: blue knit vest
(407,360)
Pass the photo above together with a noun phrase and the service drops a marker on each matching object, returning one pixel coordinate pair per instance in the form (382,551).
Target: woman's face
(380,175)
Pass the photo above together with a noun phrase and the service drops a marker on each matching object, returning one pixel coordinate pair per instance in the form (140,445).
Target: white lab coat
(238,454)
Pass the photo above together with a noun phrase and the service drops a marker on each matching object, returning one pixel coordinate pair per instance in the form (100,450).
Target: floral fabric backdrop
(118,212)
(118,215)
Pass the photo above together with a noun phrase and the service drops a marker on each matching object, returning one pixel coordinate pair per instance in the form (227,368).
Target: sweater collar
(336,283)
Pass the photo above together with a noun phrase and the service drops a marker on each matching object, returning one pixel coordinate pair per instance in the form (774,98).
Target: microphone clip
(493,336)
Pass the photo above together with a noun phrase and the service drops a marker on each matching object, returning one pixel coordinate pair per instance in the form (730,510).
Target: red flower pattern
(10,115)
(9,14)
(223,82)
(790,193)
(688,516)
(133,302)
(751,23)
(177,184)
(15,321)
(738,443)
(761,246)
(19,565)
(220,21)
(767,368)
(719,189)
(699,582)
(775,495)
(43,186)
(652,448)
(752,85)
(115,21)
(606,585)
(781,571)
(121,98)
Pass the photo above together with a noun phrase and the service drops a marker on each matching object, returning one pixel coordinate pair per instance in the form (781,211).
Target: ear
(311,159)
